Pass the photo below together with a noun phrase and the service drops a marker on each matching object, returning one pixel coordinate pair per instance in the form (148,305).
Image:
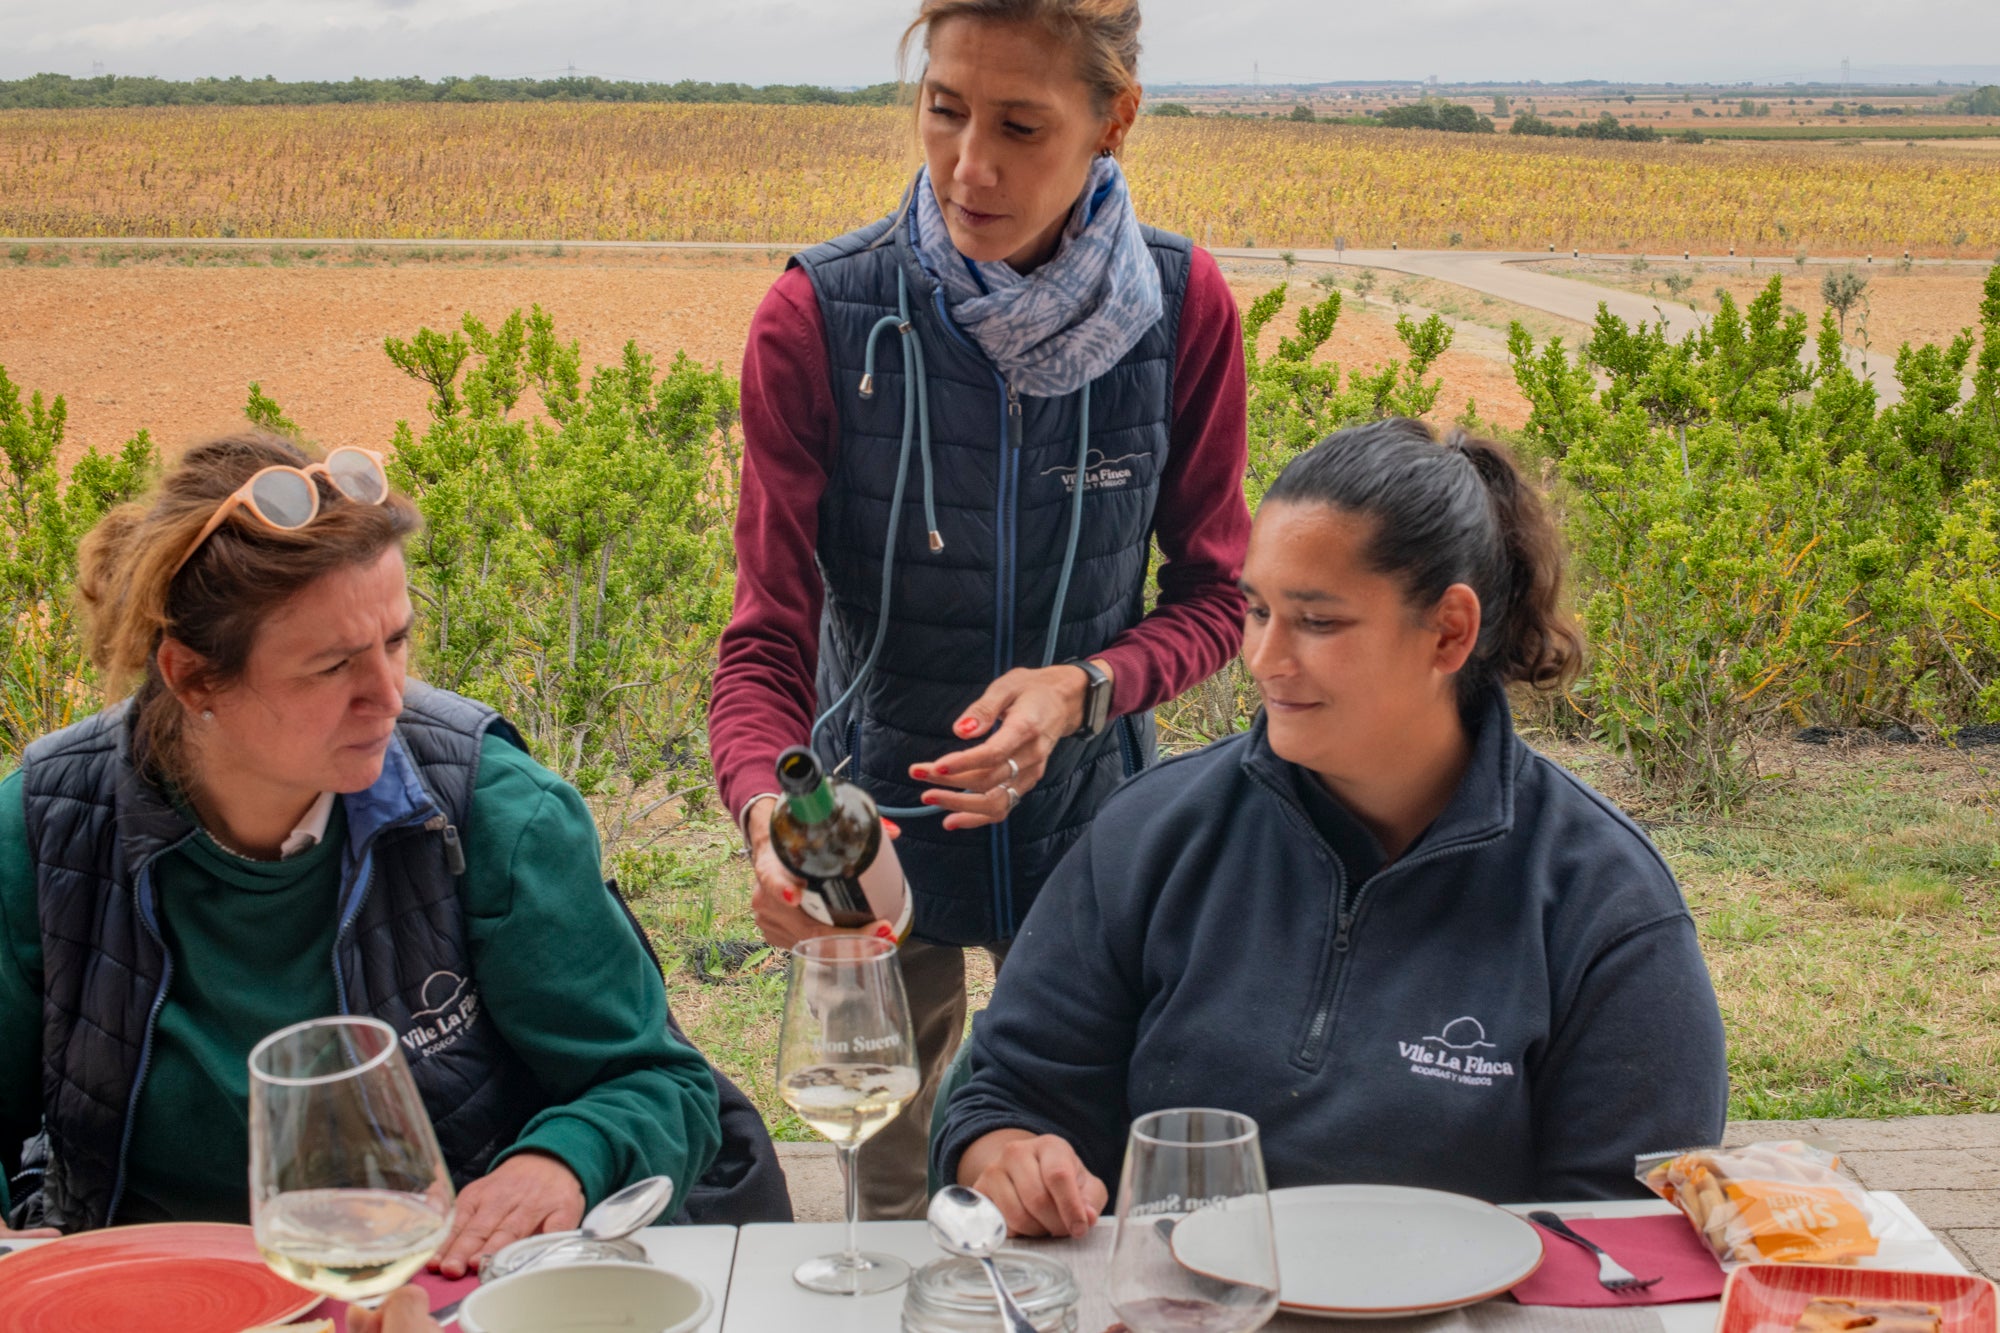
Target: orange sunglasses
(287,498)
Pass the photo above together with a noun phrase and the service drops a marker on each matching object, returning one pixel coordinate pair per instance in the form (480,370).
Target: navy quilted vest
(962,616)
(96,828)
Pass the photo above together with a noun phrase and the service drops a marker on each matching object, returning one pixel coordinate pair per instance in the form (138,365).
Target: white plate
(1379,1251)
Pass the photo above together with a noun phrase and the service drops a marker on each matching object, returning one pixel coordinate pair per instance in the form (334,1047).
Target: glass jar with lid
(953,1295)
(555,1248)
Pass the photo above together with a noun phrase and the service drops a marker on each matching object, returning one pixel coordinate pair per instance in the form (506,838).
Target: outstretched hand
(526,1195)
(1022,715)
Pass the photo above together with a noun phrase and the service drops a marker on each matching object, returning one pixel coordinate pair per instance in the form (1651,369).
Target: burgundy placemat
(1663,1246)
(443,1291)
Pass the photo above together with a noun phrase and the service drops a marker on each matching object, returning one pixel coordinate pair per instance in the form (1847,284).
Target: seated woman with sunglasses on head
(1413,949)
(277,825)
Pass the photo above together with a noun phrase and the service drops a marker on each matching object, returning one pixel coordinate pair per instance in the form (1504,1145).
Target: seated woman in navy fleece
(1416,951)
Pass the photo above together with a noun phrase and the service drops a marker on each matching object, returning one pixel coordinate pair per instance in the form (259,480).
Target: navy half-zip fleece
(1513,1009)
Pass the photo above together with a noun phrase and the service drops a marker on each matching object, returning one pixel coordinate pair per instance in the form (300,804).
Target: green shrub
(574,569)
(45,680)
(1754,539)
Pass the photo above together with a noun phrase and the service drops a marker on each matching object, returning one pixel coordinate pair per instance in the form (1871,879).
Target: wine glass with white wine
(348,1191)
(847,1063)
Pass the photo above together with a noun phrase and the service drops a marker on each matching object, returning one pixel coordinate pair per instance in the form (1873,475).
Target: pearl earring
(207,715)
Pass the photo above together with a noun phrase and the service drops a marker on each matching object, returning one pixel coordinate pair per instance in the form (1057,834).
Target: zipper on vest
(1017,427)
(152,1021)
(353,911)
(454,853)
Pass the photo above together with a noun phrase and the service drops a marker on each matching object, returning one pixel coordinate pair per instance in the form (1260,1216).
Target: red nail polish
(943,771)
(791,897)
(928,799)
(892,826)
(886,932)
(967,726)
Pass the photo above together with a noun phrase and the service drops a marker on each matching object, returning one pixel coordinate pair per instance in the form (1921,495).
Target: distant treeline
(60,91)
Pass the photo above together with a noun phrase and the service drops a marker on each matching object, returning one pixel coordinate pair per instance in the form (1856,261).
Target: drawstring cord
(917,427)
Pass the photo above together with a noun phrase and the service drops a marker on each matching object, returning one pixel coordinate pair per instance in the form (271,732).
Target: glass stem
(850,1170)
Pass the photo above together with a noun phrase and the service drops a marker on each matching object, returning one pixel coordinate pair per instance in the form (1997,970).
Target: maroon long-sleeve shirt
(763,696)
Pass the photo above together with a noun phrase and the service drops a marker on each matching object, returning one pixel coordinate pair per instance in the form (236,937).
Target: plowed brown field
(173,348)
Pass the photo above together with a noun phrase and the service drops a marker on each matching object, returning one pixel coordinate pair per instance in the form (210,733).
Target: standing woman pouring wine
(965,426)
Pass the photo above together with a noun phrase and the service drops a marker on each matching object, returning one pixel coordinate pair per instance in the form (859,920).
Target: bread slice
(1827,1314)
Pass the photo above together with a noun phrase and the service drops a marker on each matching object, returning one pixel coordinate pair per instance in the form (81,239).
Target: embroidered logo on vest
(1101,474)
(453,1008)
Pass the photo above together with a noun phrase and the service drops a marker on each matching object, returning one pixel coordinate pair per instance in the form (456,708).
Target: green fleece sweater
(558,969)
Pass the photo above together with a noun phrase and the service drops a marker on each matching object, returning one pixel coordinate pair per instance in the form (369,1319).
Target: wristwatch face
(1097,703)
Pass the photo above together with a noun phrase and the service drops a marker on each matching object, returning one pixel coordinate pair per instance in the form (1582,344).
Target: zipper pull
(454,852)
(1346,928)
(1013,400)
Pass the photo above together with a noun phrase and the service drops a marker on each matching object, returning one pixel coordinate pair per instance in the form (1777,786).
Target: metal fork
(1611,1275)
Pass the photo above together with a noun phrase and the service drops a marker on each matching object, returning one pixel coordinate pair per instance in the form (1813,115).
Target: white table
(764,1299)
(706,1254)
(749,1271)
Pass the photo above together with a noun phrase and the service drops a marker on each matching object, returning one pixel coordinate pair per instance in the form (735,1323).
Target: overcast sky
(848,42)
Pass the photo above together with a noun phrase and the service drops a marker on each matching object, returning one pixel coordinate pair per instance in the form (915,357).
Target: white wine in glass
(348,1192)
(847,1064)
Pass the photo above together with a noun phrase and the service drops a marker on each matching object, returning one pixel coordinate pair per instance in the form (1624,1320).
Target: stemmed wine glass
(1194,1250)
(348,1191)
(847,1065)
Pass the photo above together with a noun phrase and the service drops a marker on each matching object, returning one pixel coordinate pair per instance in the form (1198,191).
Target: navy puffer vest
(95,828)
(963,616)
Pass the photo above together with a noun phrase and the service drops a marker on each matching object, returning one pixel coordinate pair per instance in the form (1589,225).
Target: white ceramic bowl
(587,1298)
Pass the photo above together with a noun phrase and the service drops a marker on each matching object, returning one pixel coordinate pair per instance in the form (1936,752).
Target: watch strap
(1096,698)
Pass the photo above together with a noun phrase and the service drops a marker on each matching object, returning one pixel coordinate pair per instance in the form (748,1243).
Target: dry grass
(760,173)
(1850,916)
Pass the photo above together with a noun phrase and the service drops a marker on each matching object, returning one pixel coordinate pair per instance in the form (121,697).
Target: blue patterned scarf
(1058,328)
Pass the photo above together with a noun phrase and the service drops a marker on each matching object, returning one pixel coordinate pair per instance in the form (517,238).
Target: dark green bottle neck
(813,806)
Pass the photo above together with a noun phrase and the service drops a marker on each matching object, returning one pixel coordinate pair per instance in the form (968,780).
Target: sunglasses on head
(287,498)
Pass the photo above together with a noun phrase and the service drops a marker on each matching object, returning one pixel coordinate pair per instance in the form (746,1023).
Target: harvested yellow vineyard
(787,174)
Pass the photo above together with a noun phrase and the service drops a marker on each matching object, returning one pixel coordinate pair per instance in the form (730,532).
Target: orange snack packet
(1782,1202)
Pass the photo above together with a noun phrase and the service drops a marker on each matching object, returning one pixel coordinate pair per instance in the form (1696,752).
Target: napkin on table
(441,1289)
(1663,1246)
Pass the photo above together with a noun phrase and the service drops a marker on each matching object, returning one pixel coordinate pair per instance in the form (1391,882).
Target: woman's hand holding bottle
(775,900)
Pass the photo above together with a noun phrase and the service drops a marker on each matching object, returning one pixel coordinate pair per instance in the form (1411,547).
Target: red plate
(1768,1298)
(180,1277)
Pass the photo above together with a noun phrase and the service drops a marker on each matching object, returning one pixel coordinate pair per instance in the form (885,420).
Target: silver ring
(1013,797)
(1013,770)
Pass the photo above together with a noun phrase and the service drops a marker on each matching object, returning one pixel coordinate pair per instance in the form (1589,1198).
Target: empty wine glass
(348,1191)
(1194,1250)
(847,1064)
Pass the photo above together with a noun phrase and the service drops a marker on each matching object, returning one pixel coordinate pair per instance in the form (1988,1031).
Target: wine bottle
(829,834)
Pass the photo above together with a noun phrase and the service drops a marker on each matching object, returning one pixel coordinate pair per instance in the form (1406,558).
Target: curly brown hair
(133,597)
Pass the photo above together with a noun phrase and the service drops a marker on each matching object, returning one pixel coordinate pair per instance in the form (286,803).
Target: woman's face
(322,689)
(1348,669)
(1009,131)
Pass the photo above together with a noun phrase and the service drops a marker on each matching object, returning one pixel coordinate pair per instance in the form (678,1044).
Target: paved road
(1946,1167)
(1504,274)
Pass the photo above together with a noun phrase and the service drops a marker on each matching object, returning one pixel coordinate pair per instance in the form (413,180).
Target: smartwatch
(1096,698)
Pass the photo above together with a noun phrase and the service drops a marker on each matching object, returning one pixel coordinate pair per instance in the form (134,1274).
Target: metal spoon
(966,1222)
(615,1217)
